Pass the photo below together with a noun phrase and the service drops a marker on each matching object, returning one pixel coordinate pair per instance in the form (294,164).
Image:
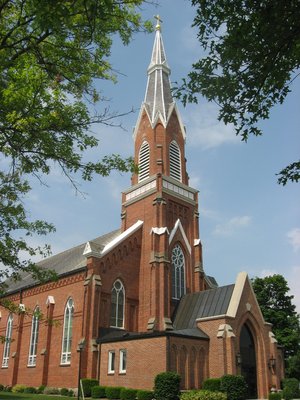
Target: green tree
(293,366)
(278,309)
(51,53)
(252,54)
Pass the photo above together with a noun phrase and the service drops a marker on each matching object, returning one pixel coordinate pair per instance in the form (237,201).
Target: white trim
(121,237)
(237,294)
(110,369)
(197,242)
(177,226)
(159,231)
(121,356)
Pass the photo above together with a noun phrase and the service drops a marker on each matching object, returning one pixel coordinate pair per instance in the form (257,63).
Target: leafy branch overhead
(252,57)
(51,53)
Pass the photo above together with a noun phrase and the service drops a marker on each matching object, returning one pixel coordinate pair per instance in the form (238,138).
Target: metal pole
(79,373)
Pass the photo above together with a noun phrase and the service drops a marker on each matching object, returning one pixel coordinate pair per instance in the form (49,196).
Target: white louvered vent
(144,161)
(175,161)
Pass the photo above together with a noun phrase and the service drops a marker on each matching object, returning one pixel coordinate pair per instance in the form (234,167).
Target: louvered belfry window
(144,161)
(175,161)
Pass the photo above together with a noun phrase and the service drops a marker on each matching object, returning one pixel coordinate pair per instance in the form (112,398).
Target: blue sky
(247,221)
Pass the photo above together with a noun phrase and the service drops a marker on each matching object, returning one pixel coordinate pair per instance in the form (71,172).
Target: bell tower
(160,196)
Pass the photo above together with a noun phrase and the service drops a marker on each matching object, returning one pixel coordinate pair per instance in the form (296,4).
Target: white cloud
(294,238)
(205,131)
(230,227)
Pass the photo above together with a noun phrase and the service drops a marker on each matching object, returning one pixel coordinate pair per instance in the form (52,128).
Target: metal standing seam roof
(62,263)
(203,304)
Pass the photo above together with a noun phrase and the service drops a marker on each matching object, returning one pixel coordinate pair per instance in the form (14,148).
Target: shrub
(51,390)
(7,389)
(18,388)
(87,385)
(41,389)
(293,385)
(203,395)
(145,395)
(71,393)
(113,392)
(287,393)
(274,396)
(1,387)
(30,389)
(64,392)
(167,386)
(128,394)
(234,386)
(212,384)
(98,392)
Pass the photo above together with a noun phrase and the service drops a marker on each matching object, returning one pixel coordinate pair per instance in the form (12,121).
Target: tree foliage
(252,56)
(51,53)
(278,309)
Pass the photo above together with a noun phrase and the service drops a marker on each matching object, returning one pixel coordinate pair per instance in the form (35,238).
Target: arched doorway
(248,360)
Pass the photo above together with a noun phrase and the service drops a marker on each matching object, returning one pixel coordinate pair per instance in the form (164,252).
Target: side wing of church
(137,300)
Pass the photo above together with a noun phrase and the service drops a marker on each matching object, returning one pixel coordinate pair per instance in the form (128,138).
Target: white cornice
(179,226)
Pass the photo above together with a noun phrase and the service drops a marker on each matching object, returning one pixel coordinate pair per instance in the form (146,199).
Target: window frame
(8,335)
(115,307)
(178,273)
(111,361)
(66,346)
(34,335)
(122,361)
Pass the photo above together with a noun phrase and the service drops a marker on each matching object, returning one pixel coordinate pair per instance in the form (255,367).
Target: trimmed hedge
(275,396)
(234,386)
(145,394)
(87,385)
(291,387)
(98,392)
(18,388)
(128,394)
(30,389)
(113,393)
(167,386)
(64,392)
(203,395)
(212,384)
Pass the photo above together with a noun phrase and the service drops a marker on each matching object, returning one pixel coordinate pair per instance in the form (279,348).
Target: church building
(136,301)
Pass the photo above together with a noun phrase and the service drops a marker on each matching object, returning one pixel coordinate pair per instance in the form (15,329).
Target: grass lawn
(28,396)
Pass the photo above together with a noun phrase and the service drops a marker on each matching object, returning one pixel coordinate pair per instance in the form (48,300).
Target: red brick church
(138,299)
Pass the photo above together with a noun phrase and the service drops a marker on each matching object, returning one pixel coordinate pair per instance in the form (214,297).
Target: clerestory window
(144,161)
(175,161)
(117,305)
(178,272)
(34,337)
(67,332)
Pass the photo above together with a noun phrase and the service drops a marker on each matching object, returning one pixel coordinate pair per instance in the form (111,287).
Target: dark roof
(67,262)
(208,303)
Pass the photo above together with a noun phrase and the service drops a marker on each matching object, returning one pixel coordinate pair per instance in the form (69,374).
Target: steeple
(158,98)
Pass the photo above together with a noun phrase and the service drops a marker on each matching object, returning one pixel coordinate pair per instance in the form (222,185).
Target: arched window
(67,332)
(175,161)
(144,161)
(117,305)
(7,342)
(178,272)
(34,337)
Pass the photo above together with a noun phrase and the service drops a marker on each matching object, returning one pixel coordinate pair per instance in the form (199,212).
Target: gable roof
(66,262)
(208,303)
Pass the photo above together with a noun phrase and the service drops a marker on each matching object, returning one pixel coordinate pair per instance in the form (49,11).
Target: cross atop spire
(158,21)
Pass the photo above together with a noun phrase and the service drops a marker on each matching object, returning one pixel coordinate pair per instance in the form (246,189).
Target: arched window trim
(178,272)
(8,335)
(34,337)
(144,161)
(118,308)
(175,161)
(67,332)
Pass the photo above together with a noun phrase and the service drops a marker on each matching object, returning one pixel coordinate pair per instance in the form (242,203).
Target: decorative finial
(159,20)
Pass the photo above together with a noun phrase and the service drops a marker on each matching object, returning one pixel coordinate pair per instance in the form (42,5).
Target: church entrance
(248,361)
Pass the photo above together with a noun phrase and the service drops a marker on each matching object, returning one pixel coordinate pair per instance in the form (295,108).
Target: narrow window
(175,161)
(67,332)
(178,272)
(117,305)
(111,362)
(123,355)
(7,342)
(144,161)
(34,338)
